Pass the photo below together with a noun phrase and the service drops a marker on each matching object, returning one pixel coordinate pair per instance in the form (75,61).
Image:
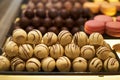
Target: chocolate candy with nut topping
(63,64)
(48,64)
(17,64)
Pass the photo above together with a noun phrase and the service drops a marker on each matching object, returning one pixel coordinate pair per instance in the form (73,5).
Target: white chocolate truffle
(103,52)
(19,36)
(11,49)
(48,64)
(111,65)
(4,63)
(96,39)
(33,65)
(50,38)
(79,64)
(63,64)
(56,51)
(72,51)
(34,37)
(80,38)
(41,51)
(25,51)
(95,65)
(87,52)
(64,37)
(17,64)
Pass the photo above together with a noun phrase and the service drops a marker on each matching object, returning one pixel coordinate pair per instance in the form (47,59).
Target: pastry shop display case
(44,24)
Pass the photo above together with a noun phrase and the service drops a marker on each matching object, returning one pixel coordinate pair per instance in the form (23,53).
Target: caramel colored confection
(4,63)
(64,37)
(11,49)
(116,47)
(33,65)
(72,51)
(79,64)
(25,51)
(63,64)
(48,64)
(34,37)
(96,39)
(50,38)
(17,64)
(88,52)
(103,52)
(95,65)
(19,36)
(111,65)
(41,51)
(80,38)
(56,51)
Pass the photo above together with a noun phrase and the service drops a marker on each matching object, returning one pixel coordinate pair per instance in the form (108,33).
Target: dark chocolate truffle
(24,22)
(53,13)
(64,13)
(75,14)
(29,13)
(29,28)
(41,13)
(53,29)
(47,22)
(64,28)
(80,22)
(58,21)
(75,29)
(69,23)
(36,22)
(86,13)
(42,29)
(68,5)
(58,5)
(40,5)
(77,5)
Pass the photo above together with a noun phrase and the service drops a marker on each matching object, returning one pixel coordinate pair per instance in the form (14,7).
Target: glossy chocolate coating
(29,13)
(58,21)
(41,13)
(36,22)
(47,22)
(75,14)
(52,13)
(42,29)
(80,22)
(24,22)
(64,28)
(29,28)
(64,13)
(75,29)
(69,23)
(53,29)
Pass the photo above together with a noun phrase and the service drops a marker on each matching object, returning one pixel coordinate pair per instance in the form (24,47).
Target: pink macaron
(118,18)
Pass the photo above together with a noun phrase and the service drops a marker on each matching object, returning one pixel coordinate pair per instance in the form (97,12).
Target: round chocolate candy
(79,22)
(41,13)
(53,29)
(42,29)
(75,14)
(36,22)
(29,28)
(47,22)
(24,22)
(75,29)
(69,23)
(29,13)
(58,21)
(64,14)
(52,13)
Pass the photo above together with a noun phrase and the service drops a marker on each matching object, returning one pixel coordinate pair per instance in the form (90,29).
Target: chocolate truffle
(68,5)
(53,13)
(48,64)
(17,64)
(25,51)
(64,28)
(24,22)
(11,49)
(80,22)
(19,36)
(56,51)
(64,37)
(34,37)
(79,64)
(49,5)
(86,13)
(69,23)
(80,38)
(75,29)
(29,13)
(103,52)
(4,63)
(30,5)
(29,28)
(58,21)
(41,13)
(54,29)
(96,39)
(41,51)
(40,5)
(95,65)
(111,65)
(50,38)
(42,29)
(77,5)
(33,65)
(75,14)
(88,52)
(35,22)
(47,22)
(63,64)
(64,13)
(72,51)
(58,5)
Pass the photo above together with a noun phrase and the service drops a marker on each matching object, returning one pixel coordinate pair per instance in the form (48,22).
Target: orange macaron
(113,29)
(94,26)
